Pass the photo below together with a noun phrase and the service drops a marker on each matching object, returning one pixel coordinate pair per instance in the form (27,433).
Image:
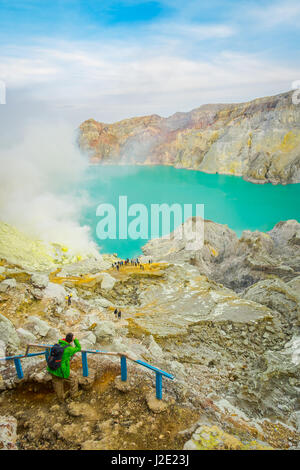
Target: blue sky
(110,60)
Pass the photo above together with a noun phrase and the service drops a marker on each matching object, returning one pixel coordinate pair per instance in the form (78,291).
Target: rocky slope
(235,262)
(235,355)
(259,140)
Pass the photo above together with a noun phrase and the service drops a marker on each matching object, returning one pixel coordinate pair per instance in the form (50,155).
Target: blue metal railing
(85,368)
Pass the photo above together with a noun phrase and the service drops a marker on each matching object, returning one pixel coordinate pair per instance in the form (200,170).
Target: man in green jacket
(63,373)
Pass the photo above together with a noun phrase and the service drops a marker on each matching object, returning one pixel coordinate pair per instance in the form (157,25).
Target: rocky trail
(102,417)
(223,319)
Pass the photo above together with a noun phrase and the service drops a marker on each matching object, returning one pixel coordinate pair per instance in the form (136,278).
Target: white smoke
(38,179)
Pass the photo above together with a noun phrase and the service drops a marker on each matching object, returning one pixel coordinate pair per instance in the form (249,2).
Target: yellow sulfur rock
(214,438)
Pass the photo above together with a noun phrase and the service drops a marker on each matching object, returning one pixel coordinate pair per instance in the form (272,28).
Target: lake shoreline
(227,199)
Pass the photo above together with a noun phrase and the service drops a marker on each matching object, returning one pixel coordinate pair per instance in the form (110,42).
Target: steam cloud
(37,186)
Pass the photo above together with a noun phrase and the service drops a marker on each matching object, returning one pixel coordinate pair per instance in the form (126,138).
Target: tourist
(59,366)
(119,314)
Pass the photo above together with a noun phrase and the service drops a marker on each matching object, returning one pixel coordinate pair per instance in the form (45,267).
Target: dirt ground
(100,418)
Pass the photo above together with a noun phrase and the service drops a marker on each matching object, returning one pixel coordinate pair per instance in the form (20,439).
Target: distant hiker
(69,299)
(116,312)
(119,315)
(59,365)
(118,267)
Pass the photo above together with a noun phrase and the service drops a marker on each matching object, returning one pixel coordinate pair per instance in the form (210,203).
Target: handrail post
(123,369)
(158,386)
(19,369)
(47,353)
(85,367)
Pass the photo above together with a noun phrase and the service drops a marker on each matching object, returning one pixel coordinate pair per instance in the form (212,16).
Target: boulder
(55,292)
(108,281)
(8,334)
(105,331)
(26,337)
(88,342)
(71,316)
(52,336)
(37,326)
(91,320)
(279,296)
(39,280)
(37,293)
(7,284)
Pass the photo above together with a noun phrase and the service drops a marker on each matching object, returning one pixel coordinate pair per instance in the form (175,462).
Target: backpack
(54,360)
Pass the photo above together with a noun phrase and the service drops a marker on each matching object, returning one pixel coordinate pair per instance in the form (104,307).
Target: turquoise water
(227,199)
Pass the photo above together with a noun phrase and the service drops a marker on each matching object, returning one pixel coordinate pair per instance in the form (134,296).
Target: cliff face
(259,140)
(237,263)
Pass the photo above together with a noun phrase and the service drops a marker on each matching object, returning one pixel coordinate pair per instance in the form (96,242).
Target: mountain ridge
(258,140)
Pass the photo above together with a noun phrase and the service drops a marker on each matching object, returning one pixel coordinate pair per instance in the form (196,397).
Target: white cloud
(277,13)
(160,68)
(191,31)
(83,72)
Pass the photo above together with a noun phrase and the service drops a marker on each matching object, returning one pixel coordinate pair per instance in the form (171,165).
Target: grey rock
(88,341)
(40,280)
(108,281)
(55,292)
(71,316)
(26,337)
(105,331)
(8,284)
(278,296)
(8,334)
(37,326)
(236,263)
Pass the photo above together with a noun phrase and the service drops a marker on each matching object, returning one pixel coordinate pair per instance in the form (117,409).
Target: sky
(109,60)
